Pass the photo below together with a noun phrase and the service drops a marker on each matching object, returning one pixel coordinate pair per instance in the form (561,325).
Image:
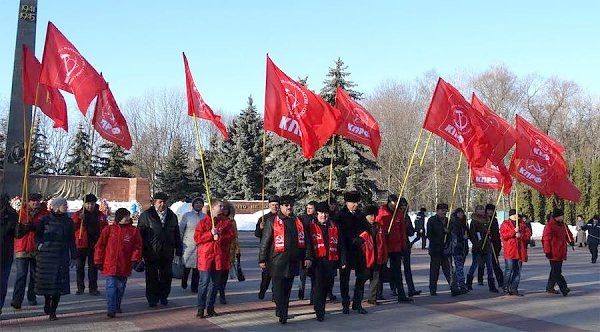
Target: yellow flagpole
(331,168)
(201,154)
(412,158)
(426,146)
(28,144)
(492,217)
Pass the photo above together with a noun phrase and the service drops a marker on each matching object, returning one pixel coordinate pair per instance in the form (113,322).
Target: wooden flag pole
(412,158)
(426,146)
(453,194)
(492,217)
(331,168)
(201,154)
(27,145)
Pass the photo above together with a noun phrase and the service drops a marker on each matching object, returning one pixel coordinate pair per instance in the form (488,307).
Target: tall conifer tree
(175,178)
(79,160)
(114,162)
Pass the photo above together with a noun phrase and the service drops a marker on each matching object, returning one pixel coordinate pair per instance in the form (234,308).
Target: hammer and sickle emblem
(461,121)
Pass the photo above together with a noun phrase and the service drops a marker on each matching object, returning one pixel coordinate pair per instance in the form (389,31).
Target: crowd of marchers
(45,242)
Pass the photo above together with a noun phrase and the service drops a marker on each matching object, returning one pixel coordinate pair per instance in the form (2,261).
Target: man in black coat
(308,218)
(593,229)
(439,240)
(284,244)
(258,232)
(420,228)
(161,239)
(352,222)
(490,210)
(8,224)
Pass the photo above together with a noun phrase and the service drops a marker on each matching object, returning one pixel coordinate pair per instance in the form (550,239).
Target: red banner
(196,105)
(63,67)
(500,134)
(109,122)
(535,145)
(492,177)
(452,118)
(49,100)
(294,112)
(357,123)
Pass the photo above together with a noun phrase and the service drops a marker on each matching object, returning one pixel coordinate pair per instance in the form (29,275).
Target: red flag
(491,176)
(63,67)
(109,122)
(357,123)
(49,100)
(196,105)
(565,189)
(296,113)
(533,144)
(500,134)
(533,173)
(452,118)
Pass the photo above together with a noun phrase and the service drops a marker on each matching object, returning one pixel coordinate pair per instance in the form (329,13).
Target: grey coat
(187,228)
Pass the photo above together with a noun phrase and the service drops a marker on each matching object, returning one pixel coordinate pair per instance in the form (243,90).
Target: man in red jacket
(514,241)
(89,223)
(555,238)
(26,249)
(213,238)
(119,245)
(397,241)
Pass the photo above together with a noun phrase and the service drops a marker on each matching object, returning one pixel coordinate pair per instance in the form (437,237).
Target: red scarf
(279,234)
(319,243)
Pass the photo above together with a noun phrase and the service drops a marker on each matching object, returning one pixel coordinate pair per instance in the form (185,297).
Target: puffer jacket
(117,248)
(159,241)
(187,228)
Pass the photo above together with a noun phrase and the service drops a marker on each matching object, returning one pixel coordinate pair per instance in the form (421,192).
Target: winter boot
(492,285)
(469,283)
(346,307)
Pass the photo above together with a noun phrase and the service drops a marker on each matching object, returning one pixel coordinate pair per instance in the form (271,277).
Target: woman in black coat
(8,223)
(56,254)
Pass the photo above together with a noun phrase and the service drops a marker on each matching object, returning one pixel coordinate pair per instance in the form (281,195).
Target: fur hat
(322,207)
(160,195)
(287,199)
(352,196)
(120,214)
(90,198)
(371,210)
(273,199)
(557,213)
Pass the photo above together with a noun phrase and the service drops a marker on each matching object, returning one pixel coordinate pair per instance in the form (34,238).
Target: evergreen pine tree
(582,181)
(247,143)
(114,162)
(175,178)
(220,163)
(525,203)
(539,206)
(594,207)
(285,169)
(39,161)
(351,166)
(79,160)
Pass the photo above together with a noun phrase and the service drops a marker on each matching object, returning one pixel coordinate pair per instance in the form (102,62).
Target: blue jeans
(24,266)
(512,274)
(487,259)
(115,288)
(209,285)
(4,274)
(459,270)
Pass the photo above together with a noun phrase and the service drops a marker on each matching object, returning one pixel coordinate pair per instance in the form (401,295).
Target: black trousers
(265,280)
(359,284)
(410,285)
(159,275)
(223,277)
(51,303)
(420,236)
(195,278)
(282,287)
(434,271)
(495,266)
(594,251)
(321,287)
(86,255)
(396,272)
(556,276)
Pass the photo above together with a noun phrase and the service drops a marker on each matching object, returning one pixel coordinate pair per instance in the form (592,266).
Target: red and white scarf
(279,234)
(319,242)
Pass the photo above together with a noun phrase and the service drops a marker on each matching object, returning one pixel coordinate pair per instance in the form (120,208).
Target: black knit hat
(120,214)
(160,195)
(352,196)
(90,198)
(557,213)
(273,199)
(322,207)
(370,210)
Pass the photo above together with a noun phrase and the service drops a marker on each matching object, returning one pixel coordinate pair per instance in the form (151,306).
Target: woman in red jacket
(555,238)
(514,242)
(119,245)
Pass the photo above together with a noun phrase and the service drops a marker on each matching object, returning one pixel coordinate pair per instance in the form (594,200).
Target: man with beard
(161,239)
(329,254)
(479,234)
(397,242)
(352,223)
(439,241)
(265,278)
(89,223)
(284,244)
(554,240)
